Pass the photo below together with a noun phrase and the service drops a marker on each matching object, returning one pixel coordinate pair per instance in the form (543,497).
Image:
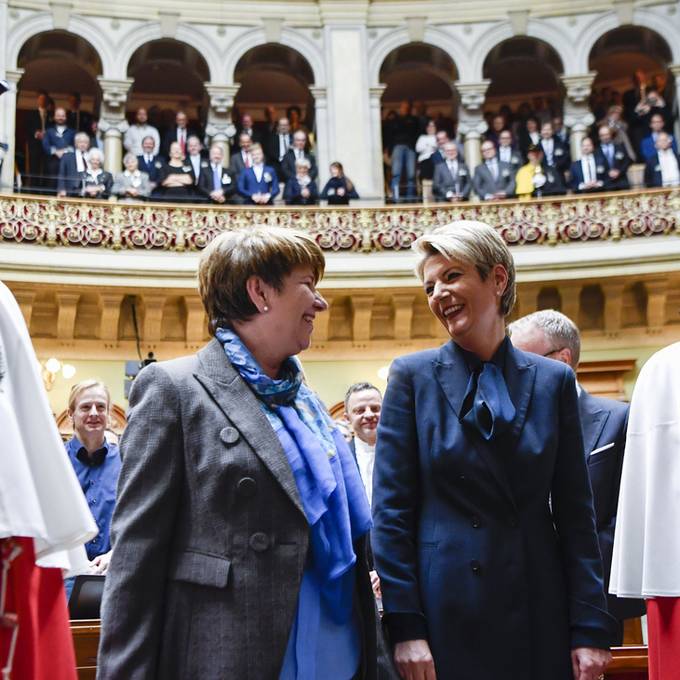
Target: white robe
(646,561)
(40,496)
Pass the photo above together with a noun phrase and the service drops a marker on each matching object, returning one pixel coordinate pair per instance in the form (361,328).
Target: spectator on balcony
(57,140)
(656,127)
(138,131)
(555,152)
(451,178)
(294,115)
(619,129)
(97,183)
(404,135)
(241,159)
(77,119)
(616,159)
(96,136)
(132,184)
(426,147)
(73,166)
(258,184)
(339,189)
(536,178)
(589,174)
(179,133)
(246,128)
(37,122)
(149,162)
(299,151)
(493,179)
(195,158)
(301,189)
(663,169)
(560,130)
(507,153)
(529,135)
(498,124)
(279,142)
(215,181)
(652,104)
(175,179)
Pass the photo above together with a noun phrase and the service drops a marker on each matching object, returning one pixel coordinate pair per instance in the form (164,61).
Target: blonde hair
(83,385)
(270,253)
(474,243)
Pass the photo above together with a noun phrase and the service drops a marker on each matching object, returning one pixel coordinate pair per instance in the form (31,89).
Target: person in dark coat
(96,182)
(616,159)
(663,169)
(148,162)
(604,423)
(339,189)
(215,181)
(301,189)
(484,533)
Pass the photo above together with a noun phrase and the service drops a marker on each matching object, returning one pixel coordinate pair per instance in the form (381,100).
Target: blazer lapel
(520,375)
(453,376)
(593,420)
(237,401)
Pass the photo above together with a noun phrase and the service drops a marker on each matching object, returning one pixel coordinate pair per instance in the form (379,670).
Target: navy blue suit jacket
(248,184)
(648,147)
(152,169)
(52,140)
(69,179)
(604,423)
(577,175)
(653,176)
(480,544)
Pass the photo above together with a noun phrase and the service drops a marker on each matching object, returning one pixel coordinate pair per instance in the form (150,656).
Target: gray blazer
(124,182)
(209,535)
(484,183)
(443,181)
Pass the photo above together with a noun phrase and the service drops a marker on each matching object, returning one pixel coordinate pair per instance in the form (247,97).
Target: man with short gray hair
(551,334)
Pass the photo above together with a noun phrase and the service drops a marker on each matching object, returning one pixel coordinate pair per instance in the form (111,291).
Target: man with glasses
(604,421)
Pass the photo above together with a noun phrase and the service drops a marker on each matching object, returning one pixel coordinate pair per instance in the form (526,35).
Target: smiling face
(292,310)
(175,152)
(467,306)
(90,414)
(363,414)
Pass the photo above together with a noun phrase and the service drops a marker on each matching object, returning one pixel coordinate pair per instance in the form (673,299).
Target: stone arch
(289,38)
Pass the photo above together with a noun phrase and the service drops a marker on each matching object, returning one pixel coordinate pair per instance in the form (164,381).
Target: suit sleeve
(275,183)
(396,501)
(574,517)
(242,188)
(149,492)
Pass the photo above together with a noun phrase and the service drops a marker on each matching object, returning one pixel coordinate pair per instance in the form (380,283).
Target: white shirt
(670,174)
(81,164)
(588,169)
(259,171)
(365,460)
(505,153)
(493,168)
(40,496)
(647,539)
(453,168)
(196,165)
(283,145)
(135,135)
(548,148)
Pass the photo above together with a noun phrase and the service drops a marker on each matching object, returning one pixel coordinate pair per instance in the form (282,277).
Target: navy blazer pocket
(201,569)
(601,453)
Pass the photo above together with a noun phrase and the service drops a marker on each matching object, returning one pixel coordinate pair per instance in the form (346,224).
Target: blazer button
(476,567)
(246,487)
(476,523)
(259,542)
(229,435)
(513,522)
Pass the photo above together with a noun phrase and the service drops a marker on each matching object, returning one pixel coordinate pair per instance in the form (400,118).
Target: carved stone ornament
(579,87)
(472,95)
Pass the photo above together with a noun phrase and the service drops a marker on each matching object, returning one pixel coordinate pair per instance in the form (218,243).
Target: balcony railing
(163,226)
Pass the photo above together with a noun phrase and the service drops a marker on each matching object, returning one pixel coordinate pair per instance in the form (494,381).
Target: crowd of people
(66,157)
(527,152)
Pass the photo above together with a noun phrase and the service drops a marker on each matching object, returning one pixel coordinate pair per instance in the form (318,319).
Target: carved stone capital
(579,86)
(675,70)
(472,95)
(377,92)
(320,94)
(14,76)
(222,97)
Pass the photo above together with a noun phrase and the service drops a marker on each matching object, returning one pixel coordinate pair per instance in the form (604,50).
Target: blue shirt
(98,477)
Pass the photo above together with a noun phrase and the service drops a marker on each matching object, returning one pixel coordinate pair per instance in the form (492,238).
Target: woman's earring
(265,308)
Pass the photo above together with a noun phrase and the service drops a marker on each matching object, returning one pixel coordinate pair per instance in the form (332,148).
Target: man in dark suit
(246,127)
(215,182)
(73,166)
(259,184)
(663,169)
(555,151)
(451,181)
(603,421)
(278,144)
(148,162)
(79,120)
(657,126)
(37,122)
(507,153)
(57,141)
(493,179)
(179,133)
(587,174)
(616,159)
(240,161)
(298,152)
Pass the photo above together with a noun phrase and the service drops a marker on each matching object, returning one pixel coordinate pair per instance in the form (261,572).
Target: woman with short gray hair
(241,524)
(484,536)
(132,184)
(97,182)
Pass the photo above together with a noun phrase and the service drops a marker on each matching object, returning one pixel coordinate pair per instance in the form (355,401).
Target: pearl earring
(265,308)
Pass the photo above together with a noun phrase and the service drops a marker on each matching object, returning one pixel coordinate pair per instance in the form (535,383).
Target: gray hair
(129,157)
(558,328)
(81,135)
(96,152)
(474,243)
(303,163)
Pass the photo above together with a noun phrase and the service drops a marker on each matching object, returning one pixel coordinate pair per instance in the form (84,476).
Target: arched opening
(633,82)
(525,84)
(60,71)
(419,85)
(169,76)
(275,82)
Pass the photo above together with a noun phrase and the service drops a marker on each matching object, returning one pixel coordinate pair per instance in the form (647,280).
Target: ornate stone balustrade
(173,227)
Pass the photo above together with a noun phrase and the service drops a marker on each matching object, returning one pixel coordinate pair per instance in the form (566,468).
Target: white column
(8,109)
(675,71)
(577,115)
(471,123)
(112,120)
(323,158)
(220,128)
(352,140)
(375,94)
